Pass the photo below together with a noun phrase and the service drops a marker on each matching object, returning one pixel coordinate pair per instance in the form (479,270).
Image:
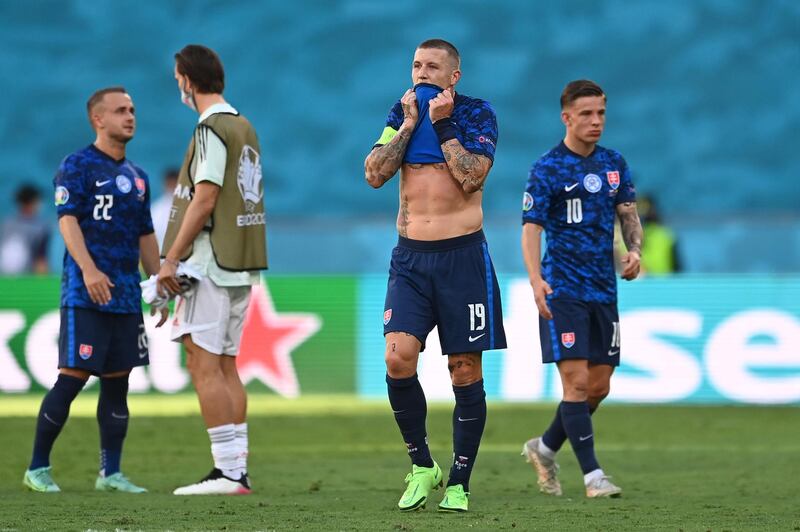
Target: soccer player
(218,227)
(103,205)
(573,194)
(440,274)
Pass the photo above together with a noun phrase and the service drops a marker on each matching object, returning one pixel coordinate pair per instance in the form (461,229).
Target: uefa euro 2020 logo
(249,178)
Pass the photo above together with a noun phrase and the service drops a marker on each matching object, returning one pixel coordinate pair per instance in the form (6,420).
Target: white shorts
(212,315)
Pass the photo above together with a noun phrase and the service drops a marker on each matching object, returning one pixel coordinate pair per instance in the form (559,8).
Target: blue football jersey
(574,198)
(111,200)
(475,121)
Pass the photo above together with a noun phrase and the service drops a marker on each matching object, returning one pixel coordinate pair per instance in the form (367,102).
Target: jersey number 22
(104,202)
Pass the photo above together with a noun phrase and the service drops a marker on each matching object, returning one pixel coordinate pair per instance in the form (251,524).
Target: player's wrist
(172,261)
(445,129)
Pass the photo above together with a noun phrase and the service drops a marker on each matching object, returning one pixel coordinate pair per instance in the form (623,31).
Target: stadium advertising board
(299,336)
(694,339)
(686,339)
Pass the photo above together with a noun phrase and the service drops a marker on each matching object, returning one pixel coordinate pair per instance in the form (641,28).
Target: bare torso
(433,206)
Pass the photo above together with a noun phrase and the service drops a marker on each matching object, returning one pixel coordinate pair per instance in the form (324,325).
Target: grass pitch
(333,463)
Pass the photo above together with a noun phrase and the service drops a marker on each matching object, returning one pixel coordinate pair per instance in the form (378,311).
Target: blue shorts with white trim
(101,342)
(446,283)
(580,330)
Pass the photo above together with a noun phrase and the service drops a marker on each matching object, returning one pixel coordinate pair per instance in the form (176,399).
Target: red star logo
(267,342)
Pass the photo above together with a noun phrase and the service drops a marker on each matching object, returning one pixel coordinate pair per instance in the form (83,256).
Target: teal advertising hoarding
(689,339)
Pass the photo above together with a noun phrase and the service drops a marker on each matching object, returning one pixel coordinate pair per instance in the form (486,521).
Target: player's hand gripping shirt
(474,119)
(574,198)
(111,200)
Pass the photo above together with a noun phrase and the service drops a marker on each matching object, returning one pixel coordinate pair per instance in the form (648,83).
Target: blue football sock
(112,417)
(469,419)
(410,412)
(53,415)
(555,436)
(578,426)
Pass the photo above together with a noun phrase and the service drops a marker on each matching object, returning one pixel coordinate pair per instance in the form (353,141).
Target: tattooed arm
(631,229)
(384,161)
(468,169)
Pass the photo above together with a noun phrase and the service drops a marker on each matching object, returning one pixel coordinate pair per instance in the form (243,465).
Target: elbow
(374,177)
(470,188)
(206,206)
(373,180)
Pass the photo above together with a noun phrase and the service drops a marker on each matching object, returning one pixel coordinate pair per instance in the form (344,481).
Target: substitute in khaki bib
(217,226)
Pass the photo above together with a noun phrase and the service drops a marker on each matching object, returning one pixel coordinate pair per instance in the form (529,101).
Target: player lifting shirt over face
(443,143)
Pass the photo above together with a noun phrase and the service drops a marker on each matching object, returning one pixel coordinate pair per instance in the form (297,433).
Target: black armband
(445,129)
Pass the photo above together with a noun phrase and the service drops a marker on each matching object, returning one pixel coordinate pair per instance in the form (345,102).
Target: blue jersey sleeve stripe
(554,340)
(489,292)
(71,337)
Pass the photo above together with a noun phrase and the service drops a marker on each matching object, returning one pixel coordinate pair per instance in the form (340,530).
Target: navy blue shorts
(446,283)
(101,342)
(580,330)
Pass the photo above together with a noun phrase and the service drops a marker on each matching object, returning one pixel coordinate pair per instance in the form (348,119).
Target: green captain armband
(388,134)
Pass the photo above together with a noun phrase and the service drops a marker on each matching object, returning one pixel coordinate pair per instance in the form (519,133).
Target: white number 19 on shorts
(477,313)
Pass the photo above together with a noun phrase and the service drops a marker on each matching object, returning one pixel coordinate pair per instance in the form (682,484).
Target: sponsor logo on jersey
(568,339)
(85,351)
(387,316)
(141,188)
(613,179)
(62,195)
(592,183)
(124,184)
(527,202)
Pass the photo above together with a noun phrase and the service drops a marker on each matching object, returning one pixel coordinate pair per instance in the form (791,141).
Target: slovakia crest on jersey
(568,339)
(85,351)
(613,179)
(387,316)
(140,186)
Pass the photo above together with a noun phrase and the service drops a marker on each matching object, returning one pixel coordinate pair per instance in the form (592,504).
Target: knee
(576,386)
(597,392)
(464,369)
(400,365)
(202,369)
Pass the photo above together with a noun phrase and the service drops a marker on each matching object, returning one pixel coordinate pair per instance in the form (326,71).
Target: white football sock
(225,450)
(242,444)
(545,450)
(591,475)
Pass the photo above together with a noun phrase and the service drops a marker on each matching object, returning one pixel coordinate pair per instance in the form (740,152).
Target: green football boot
(421,481)
(455,499)
(39,479)
(117,482)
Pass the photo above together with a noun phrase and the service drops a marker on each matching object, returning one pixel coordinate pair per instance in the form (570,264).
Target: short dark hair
(97,97)
(203,67)
(578,89)
(441,44)
(27,194)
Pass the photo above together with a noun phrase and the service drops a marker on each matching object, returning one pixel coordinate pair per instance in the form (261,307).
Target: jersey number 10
(574,211)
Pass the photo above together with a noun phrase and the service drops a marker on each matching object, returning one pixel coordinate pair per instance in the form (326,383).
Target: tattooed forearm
(403,218)
(384,161)
(630,226)
(468,169)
